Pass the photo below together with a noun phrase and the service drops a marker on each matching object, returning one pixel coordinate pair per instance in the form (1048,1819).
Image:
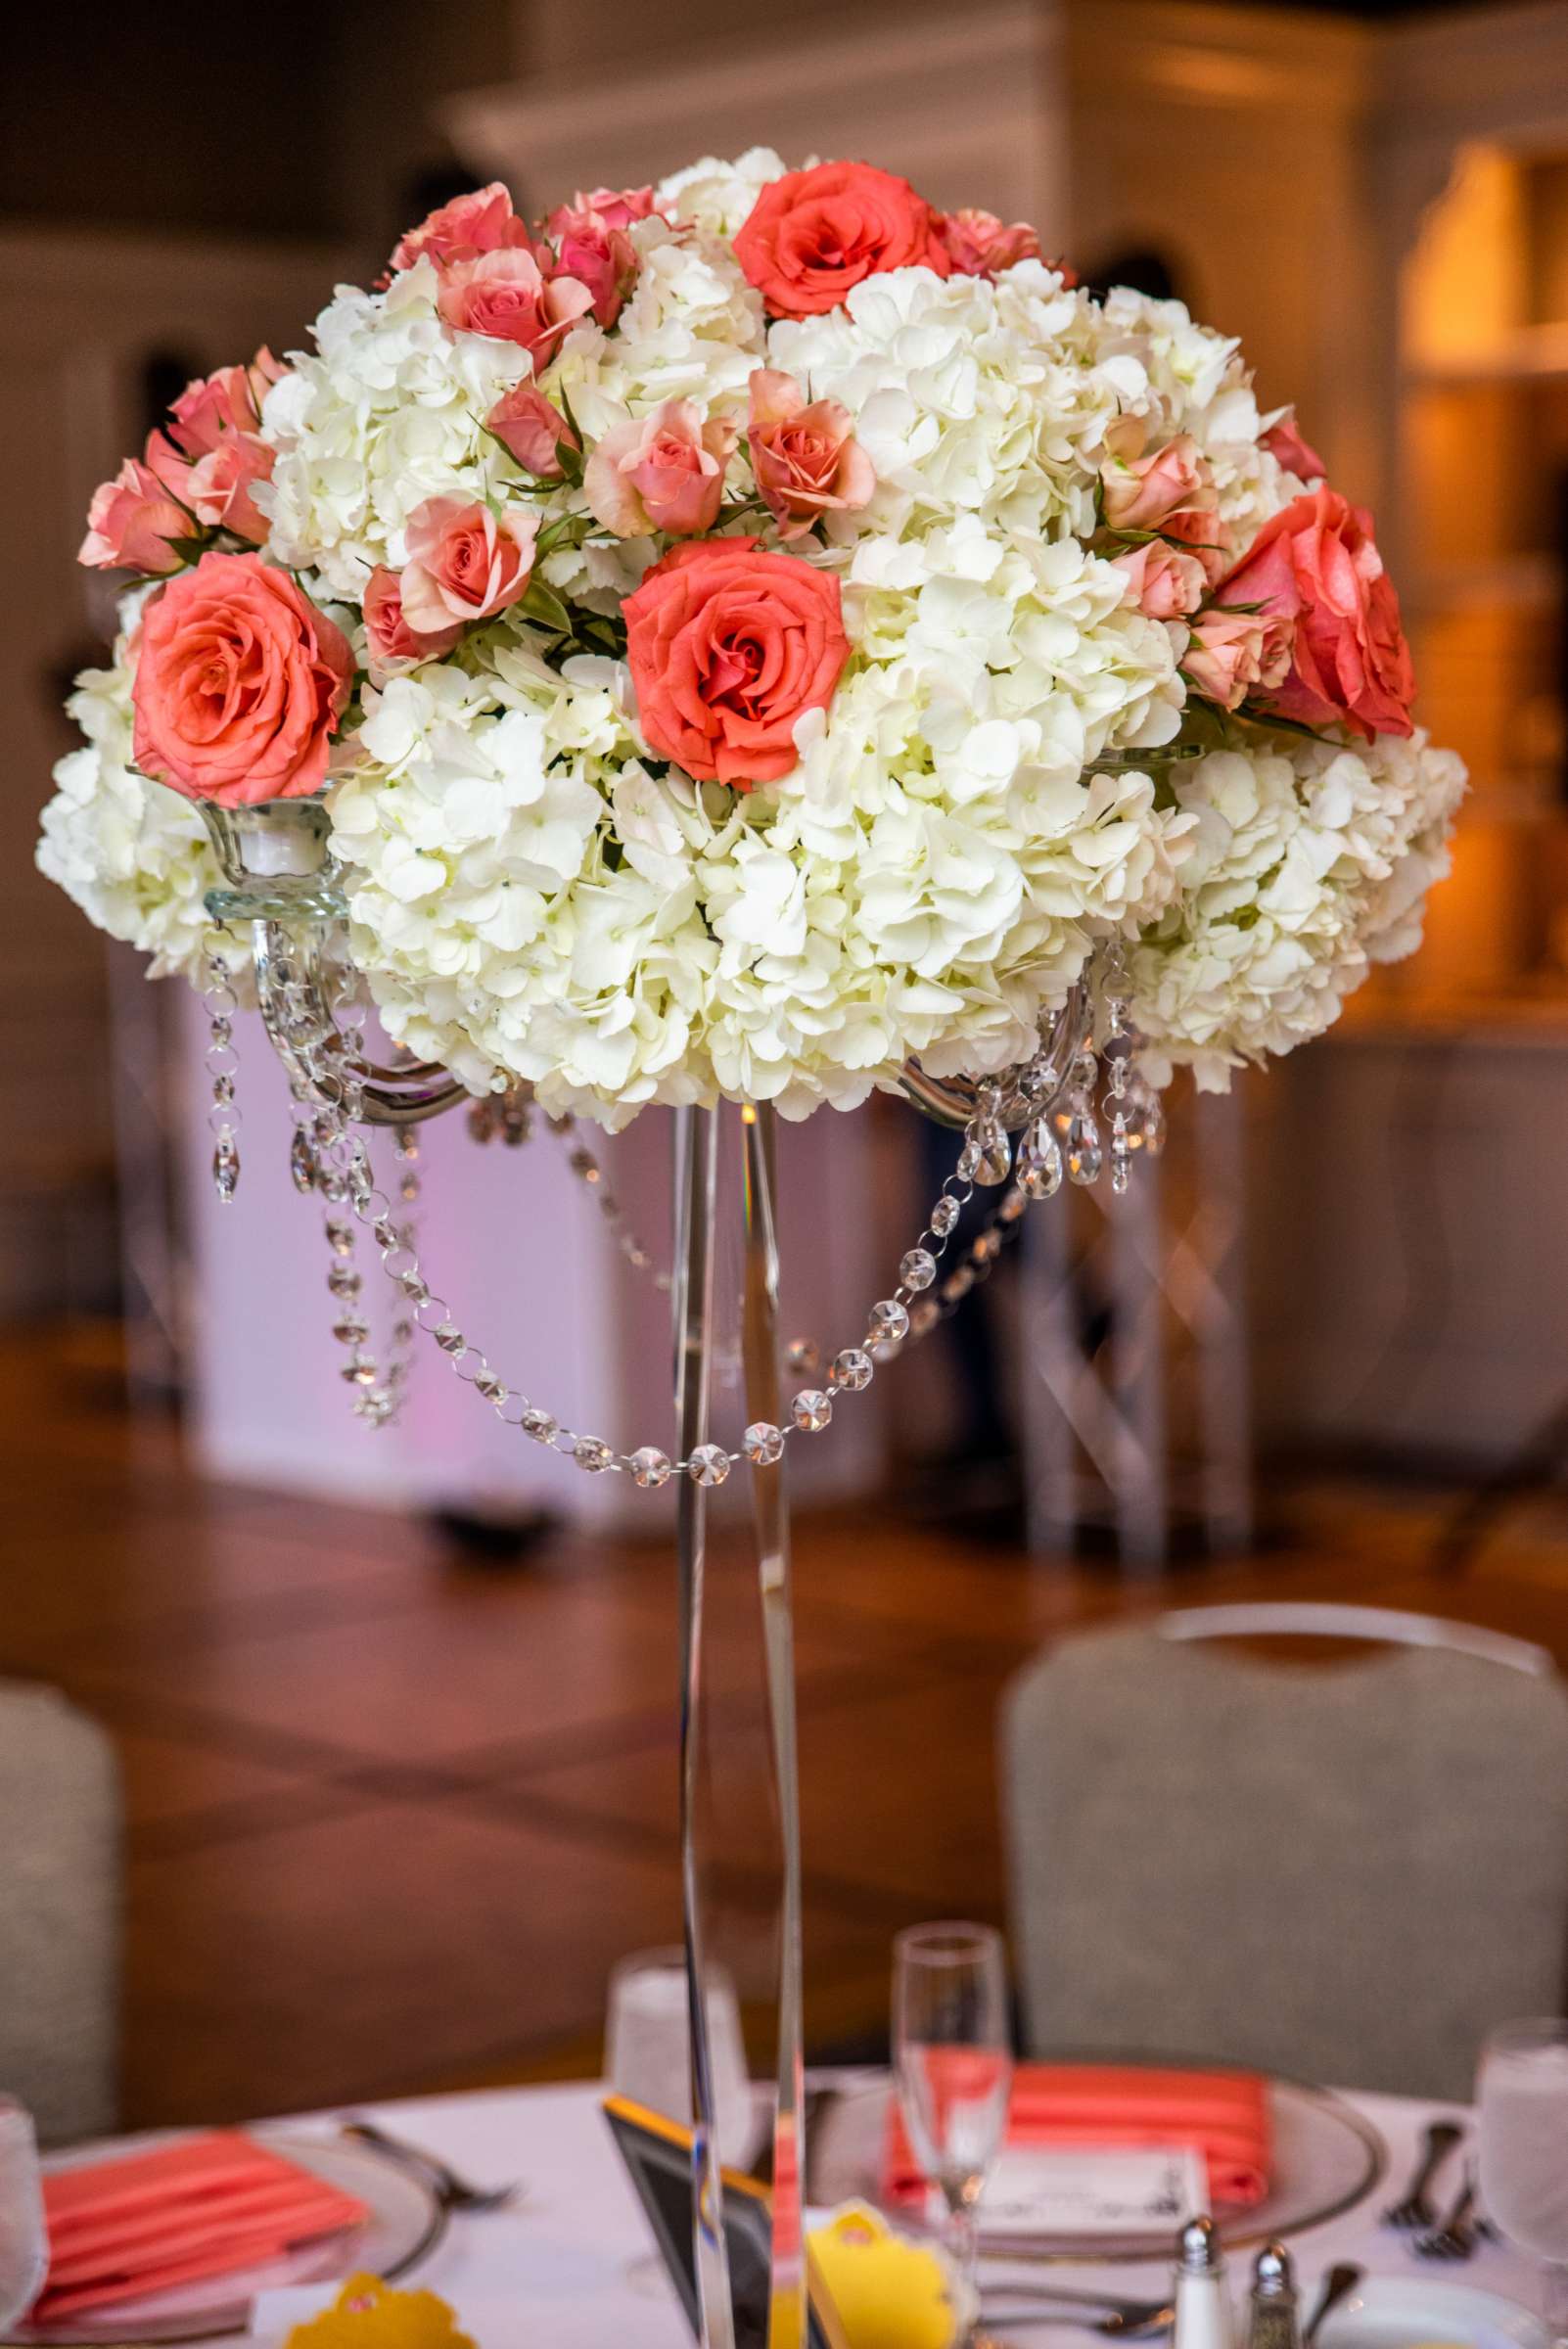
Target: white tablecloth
(567,2267)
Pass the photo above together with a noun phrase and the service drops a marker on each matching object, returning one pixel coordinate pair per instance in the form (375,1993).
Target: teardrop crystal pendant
(994,1152)
(1083,1155)
(303,1161)
(1039,1162)
(226,1168)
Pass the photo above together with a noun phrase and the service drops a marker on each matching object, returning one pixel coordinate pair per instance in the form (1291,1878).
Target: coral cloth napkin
(208,2205)
(1224,2114)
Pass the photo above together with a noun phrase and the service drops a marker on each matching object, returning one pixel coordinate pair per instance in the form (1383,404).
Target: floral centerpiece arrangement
(752,631)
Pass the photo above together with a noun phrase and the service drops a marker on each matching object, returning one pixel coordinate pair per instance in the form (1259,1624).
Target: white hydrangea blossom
(1311,862)
(716,197)
(133,854)
(387,412)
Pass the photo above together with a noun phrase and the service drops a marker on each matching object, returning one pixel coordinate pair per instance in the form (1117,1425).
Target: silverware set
(452,2191)
(1453,2238)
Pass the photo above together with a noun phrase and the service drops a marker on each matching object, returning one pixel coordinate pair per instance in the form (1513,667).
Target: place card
(1114,2190)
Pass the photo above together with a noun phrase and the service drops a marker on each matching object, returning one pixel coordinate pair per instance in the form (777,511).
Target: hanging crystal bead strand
(1077,1124)
(1115,1002)
(222,1068)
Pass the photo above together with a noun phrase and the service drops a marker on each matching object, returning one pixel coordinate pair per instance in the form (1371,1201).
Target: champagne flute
(1522,2091)
(953,2064)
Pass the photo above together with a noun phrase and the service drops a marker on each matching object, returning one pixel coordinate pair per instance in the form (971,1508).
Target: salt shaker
(1202,2306)
(1274,2318)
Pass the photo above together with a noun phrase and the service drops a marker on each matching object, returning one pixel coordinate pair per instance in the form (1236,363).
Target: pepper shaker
(1274,2321)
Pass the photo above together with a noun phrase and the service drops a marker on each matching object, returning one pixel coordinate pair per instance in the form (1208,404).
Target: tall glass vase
(704,1220)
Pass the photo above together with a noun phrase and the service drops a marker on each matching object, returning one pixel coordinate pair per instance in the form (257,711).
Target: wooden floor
(395,1814)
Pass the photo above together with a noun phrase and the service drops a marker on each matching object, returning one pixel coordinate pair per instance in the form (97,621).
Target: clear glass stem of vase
(696,1176)
(760,1349)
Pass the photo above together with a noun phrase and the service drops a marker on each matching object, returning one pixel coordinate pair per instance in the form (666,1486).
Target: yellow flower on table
(369,2314)
(888,2293)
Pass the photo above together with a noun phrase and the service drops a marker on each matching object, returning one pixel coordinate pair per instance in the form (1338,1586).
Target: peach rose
(592,247)
(979,243)
(1138,492)
(130,522)
(1316,564)
(664,472)
(1199,531)
(1162,580)
(507,295)
(220,484)
(1231,654)
(463,563)
(239,683)
(812,236)
(481,222)
(228,401)
(531,430)
(805,459)
(1283,441)
(728,647)
(388,636)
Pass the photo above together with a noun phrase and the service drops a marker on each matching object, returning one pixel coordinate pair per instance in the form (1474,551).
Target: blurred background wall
(1374,199)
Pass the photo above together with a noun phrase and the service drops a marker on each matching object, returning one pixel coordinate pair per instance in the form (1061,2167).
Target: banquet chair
(59,1868)
(1346,1871)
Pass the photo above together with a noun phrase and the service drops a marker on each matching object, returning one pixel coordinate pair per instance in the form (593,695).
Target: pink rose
(389,635)
(219,485)
(463,563)
(1316,564)
(531,429)
(805,459)
(1163,583)
(482,222)
(131,522)
(593,247)
(979,245)
(1297,456)
(1232,653)
(507,295)
(728,647)
(812,236)
(1198,531)
(664,472)
(229,401)
(1138,492)
(239,683)
(616,207)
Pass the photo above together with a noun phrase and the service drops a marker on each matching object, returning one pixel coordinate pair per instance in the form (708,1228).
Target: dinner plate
(1327,2157)
(404,2218)
(1407,2312)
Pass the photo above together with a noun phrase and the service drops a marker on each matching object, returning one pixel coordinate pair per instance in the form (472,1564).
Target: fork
(1456,2237)
(452,2191)
(1124,2319)
(1415,2212)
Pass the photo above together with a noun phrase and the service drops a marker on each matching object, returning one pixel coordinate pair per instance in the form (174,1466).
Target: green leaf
(542,604)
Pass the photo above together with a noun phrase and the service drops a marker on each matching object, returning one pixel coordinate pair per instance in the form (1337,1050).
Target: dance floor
(395,1813)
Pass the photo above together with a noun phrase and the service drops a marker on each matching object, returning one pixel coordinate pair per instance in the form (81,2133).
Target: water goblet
(1522,2099)
(24,2238)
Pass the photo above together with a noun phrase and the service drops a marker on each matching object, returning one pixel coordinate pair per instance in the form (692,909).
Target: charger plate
(404,2221)
(1326,2159)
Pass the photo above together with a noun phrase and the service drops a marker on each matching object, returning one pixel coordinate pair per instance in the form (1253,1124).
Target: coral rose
(219,485)
(131,522)
(481,222)
(805,459)
(728,647)
(662,472)
(1316,564)
(1164,582)
(1283,441)
(214,405)
(1232,654)
(239,683)
(616,207)
(388,635)
(463,563)
(507,295)
(531,430)
(812,236)
(979,243)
